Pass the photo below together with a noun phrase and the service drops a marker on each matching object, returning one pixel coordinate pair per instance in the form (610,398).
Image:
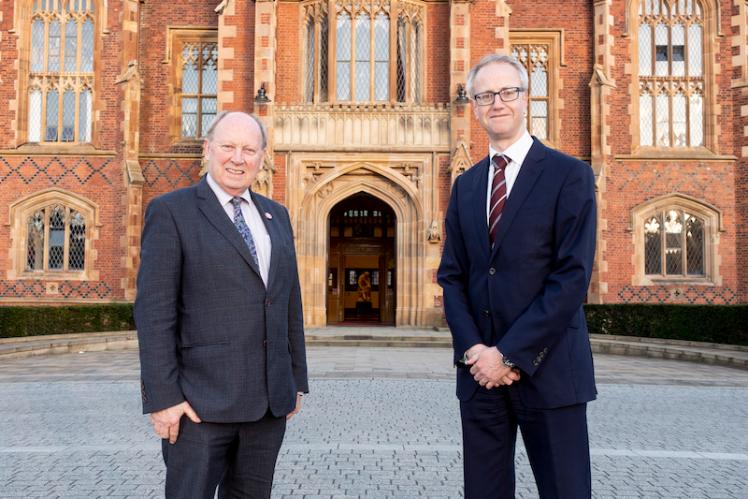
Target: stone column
(459,65)
(266,22)
(601,87)
(131,83)
(739,23)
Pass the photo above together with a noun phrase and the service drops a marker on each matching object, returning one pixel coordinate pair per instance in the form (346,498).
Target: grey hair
(497,59)
(210,132)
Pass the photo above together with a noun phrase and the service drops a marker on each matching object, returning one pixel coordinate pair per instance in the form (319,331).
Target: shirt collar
(224,197)
(517,151)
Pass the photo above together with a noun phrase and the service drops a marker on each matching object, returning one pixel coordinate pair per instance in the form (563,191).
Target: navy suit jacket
(525,294)
(210,332)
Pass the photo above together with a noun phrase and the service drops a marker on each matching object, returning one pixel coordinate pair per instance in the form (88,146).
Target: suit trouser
(555,439)
(238,458)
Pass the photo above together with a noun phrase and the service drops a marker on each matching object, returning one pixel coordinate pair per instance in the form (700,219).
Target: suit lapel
(271,225)
(528,174)
(214,212)
(480,193)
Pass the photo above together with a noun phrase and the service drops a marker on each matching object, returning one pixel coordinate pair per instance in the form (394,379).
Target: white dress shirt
(517,152)
(254,222)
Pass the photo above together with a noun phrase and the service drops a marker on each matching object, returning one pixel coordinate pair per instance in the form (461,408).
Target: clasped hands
(487,367)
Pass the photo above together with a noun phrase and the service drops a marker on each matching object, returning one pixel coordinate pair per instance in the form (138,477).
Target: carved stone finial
(221,6)
(434,234)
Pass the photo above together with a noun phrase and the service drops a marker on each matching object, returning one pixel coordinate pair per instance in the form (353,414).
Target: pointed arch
(52,234)
(312,238)
(676,240)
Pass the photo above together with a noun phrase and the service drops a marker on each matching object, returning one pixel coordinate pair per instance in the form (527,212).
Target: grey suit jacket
(210,332)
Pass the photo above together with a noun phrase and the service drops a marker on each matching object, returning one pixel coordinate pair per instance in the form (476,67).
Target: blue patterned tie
(243,228)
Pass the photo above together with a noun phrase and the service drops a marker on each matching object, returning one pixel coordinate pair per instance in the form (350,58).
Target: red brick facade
(134,107)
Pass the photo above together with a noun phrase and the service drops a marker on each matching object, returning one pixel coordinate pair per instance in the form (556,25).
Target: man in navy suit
(515,270)
(219,321)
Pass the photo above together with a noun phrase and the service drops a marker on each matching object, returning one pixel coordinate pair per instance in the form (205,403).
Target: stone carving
(434,233)
(460,160)
(263,183)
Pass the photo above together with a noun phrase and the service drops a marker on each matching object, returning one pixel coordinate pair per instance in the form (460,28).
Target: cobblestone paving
(379,423)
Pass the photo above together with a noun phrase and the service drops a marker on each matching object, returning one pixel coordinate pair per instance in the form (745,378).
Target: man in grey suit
(219,322)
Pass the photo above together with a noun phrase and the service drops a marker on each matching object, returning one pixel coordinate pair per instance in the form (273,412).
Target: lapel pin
(268,216)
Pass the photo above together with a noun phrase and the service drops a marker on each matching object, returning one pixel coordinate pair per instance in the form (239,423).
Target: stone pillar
(601,87)
(266,22)
(236,45)
(131,82)
(459,65)
(503,11)
(739,23)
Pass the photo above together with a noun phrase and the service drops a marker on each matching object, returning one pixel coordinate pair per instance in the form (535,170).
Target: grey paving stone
(377,423)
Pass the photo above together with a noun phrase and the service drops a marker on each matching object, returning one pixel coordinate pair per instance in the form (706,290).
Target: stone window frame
(554,40)
(22,30)
(21,210)
(412,12)
(176,37)
(710,105)
(713,226)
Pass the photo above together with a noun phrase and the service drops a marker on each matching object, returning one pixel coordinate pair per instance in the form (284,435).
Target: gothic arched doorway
(361,265)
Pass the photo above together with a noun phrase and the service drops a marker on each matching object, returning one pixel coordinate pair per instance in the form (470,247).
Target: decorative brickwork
(678,294)
(405,153)
(170,174)
(56,170)
(55,290)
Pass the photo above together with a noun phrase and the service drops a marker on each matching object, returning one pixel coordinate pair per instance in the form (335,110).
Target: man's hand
(296,409)
(166,421)
(475,350)
(489,370)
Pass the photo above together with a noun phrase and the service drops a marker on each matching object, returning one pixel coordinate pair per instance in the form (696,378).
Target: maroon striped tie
(498,195)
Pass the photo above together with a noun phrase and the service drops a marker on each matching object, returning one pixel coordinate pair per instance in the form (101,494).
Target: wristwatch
(508,363)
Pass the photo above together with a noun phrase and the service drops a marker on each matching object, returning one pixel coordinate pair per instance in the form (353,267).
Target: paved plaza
(379,423)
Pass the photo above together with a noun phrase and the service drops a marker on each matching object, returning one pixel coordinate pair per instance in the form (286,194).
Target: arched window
(674,244)
(671,73)
(56,239)
(52,233)
(61,71)
(676,239)
(356,60)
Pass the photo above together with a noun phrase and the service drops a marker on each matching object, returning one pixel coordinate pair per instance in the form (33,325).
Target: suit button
(268,302)
(491,271)
(486,313)
(264,343)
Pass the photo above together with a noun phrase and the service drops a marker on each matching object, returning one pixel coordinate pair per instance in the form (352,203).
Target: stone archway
(311,212)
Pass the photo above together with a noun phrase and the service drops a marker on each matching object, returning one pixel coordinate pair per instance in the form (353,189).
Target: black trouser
(555,439)
(238,458)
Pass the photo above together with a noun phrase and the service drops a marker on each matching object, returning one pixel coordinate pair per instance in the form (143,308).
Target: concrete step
(704,353)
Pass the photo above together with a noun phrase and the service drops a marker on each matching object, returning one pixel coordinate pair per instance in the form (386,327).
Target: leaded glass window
(674,244)
(364,64)
(56,239)
(535,59)
(61,71)
(671,73)
(198,63)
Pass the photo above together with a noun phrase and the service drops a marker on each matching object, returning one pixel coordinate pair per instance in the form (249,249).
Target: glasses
(505,94)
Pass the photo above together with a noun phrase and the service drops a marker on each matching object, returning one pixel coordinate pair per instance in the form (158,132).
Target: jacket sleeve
(296,321)
(452,276)
(541,325)
(156,308)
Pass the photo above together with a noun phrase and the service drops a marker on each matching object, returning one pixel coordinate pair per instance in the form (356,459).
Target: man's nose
(497,102)
(237,156)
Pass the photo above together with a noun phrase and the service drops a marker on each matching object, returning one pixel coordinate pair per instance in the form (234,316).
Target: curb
(734,356)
